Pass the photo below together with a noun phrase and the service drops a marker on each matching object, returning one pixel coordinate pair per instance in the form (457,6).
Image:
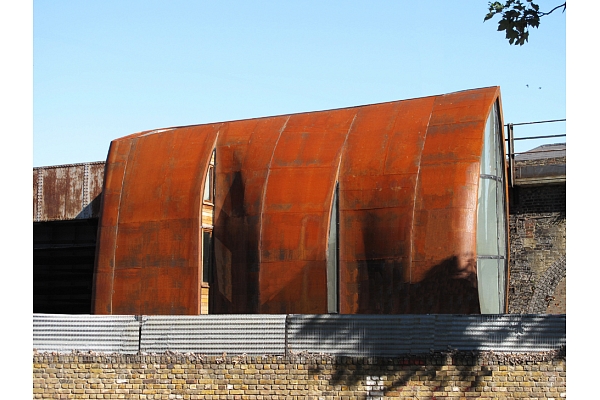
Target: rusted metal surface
(378,181)
(408,174)
(244,153)
(296,208)
(148,252)
(66,192)
(408,212)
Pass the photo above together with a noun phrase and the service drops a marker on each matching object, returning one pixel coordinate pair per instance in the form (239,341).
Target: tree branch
(564,6)
(517,16)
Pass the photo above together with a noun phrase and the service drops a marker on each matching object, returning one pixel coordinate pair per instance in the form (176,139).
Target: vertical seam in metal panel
(39,194)
(264,194)
(414,202)
(114,250)
(339,190)
(343,149)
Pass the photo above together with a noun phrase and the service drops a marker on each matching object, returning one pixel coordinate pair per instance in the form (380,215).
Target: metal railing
(510,144)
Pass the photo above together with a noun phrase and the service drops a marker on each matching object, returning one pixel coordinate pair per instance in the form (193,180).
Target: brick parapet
(190,376)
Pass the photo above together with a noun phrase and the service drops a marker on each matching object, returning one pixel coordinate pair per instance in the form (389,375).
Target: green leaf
(517,16)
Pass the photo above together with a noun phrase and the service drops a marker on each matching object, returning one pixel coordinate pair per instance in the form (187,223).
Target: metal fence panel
(504,333)
(361,335)
(388,335)
(98,333)
(214,334)
(344,335)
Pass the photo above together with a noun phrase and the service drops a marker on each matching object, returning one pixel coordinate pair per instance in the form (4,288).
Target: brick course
(188,376)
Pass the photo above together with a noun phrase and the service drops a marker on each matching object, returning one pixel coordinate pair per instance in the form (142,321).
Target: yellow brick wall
(179,376)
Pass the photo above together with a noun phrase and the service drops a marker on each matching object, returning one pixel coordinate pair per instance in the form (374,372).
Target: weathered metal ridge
(408,176)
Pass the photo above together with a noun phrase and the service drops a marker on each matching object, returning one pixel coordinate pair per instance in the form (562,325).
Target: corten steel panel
(149,257)
(243,156)
(445,213)
(408,212)
(107,226)
(296,209)
(377,185)
(408,176)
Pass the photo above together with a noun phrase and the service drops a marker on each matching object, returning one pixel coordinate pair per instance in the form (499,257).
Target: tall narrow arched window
(492,243)
(333,256)
(209,183)
(208,213)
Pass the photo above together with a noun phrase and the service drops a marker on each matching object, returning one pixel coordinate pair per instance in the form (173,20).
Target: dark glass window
(207,256)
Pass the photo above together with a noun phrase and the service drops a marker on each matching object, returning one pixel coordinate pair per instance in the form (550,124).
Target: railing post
(511,155)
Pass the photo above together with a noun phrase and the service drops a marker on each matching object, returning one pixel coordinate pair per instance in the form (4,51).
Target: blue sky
(106,69)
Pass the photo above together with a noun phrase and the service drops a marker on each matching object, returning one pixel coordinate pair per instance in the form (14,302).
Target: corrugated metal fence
(343,335)
(101,333)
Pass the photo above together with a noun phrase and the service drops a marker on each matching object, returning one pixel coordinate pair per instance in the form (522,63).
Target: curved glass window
(492,250)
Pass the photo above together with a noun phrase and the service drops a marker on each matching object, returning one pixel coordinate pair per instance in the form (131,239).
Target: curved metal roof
(408,176)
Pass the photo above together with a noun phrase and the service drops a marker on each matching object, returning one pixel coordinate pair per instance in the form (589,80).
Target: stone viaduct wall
(538,245)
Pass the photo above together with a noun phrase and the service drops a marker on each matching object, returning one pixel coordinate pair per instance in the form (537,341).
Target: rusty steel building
(390,208)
